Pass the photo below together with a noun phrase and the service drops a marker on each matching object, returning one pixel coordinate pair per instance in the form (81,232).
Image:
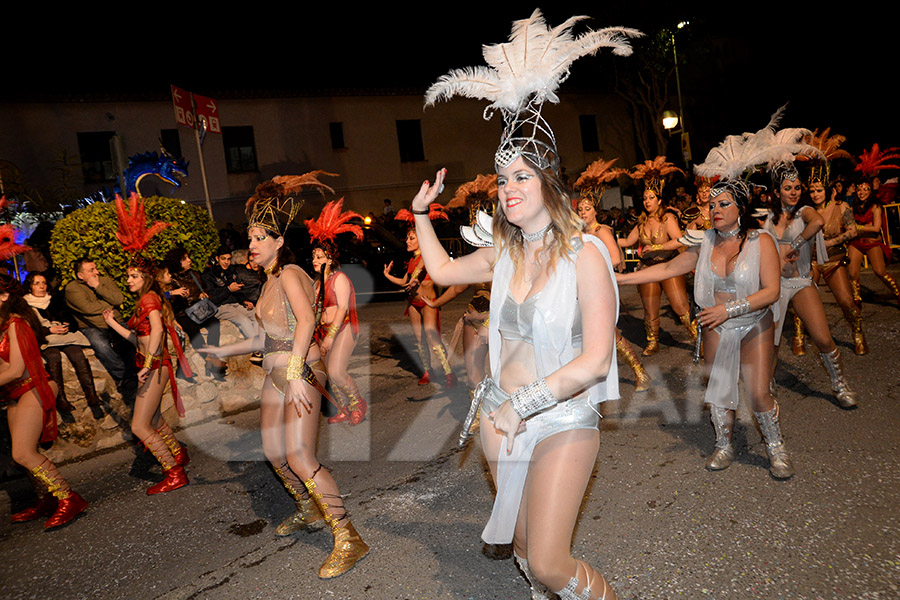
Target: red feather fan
(133,234)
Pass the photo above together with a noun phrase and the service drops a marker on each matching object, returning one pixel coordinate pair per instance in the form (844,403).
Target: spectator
(224,290)
(186,291)
(253,278)
(388,213)
(60,330)
(87,296)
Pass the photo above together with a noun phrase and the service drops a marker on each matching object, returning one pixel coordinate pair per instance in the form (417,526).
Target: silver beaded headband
(739,189)
(783,171)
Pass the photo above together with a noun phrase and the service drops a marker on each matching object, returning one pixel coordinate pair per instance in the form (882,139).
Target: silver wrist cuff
(532,398)
(798,241)
(736,308)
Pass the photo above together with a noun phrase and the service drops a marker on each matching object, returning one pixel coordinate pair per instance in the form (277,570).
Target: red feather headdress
(133,233)
(876,160)
(331,223)
(8,245)
(436,211)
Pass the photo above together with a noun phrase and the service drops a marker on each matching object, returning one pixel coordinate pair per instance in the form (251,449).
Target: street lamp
(685,141)
(669,120)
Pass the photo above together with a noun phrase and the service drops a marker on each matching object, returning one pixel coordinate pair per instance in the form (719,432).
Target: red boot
(175,478)
(178,451)
(425,380)
(69,507)
(343,413)
(358,406)
(44,507)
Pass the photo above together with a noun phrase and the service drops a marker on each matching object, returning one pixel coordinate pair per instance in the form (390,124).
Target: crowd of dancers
(540,334)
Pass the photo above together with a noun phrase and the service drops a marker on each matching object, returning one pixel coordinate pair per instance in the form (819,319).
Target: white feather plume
(768,146)
(535,61)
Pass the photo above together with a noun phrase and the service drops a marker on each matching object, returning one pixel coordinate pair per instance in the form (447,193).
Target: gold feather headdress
(820,172)
(275,204)
(596,179)
(653,173)
(521,75)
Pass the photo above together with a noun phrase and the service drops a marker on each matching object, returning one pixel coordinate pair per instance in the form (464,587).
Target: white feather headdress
(524,73)
(738,154)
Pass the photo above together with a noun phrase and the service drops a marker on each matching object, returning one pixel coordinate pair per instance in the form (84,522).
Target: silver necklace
(729,234)
(537,235)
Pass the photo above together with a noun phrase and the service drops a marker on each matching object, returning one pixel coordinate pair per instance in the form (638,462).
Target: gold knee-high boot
(425,358)
(691,326)
(859,339)
(348,545)
(449,376)
(308,515)
(641,378)
(651,327)
(798,344)
(889,281)
(854,289)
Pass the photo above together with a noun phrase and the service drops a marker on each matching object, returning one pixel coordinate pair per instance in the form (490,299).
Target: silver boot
(779,464)
(723,455)
(539,591)
(832,361)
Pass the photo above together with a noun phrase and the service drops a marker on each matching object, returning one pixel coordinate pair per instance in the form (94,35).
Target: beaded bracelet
(656,247)
(295,367)
(532,398)
(798,241)
(736,308)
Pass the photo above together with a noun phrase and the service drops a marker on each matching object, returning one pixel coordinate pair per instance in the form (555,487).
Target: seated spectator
(185,291)
(224,290)
(87,296)
(62,336)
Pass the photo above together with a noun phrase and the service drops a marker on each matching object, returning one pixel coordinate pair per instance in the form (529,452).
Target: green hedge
(91,231)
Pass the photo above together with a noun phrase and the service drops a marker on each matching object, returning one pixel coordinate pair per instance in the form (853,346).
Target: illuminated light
(669,119)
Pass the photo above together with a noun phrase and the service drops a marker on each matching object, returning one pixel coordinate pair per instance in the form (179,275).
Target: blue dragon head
(165,166)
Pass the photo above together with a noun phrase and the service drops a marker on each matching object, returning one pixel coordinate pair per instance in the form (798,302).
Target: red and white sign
(207,110)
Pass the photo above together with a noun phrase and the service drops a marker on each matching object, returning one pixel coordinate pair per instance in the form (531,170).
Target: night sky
(832,70)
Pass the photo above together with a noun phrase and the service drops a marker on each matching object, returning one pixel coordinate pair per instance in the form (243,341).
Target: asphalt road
(655,523)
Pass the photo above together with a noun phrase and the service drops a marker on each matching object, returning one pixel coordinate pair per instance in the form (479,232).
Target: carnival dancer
(553,310)
(656,236)
(798,228)
(737,286)
(291,394)
(591,184)
(839,229)
(337,322)
(425,320)
(871,224)
(29,397)
(696,216)
(148,329)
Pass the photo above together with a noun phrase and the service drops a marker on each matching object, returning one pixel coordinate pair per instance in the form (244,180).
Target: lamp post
(685,140)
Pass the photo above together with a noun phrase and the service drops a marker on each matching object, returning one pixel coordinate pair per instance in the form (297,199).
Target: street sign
(184,113)
(208,109)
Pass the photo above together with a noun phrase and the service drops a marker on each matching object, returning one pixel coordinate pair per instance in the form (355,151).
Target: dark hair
(223,250)
(29,280)
(173,258)
(15,305)
(79,263)
(862,207)
(775,207)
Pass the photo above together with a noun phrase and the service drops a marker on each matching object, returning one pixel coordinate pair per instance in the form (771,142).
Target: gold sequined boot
(651,327)
(723,422)
(69,503)
(308,515)
(348,545)
(641,378)
(854,289)
(799,343)
(779,464)
(889,281)
(859,338)
(834,366)
(691,326)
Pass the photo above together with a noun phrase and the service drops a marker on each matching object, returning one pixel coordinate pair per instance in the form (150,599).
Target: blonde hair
(564,222)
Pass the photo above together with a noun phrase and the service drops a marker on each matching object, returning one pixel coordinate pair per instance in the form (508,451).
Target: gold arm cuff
(657,247)
(333,330)
(148,361)
(295,367)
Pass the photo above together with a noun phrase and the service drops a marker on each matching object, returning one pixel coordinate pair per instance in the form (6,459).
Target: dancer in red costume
(30,397)
(148,330)
(425,320)
(337,322)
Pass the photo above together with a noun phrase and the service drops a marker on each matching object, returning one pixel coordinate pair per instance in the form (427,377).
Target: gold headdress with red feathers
(332,222)
(274,205)
(820,172)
